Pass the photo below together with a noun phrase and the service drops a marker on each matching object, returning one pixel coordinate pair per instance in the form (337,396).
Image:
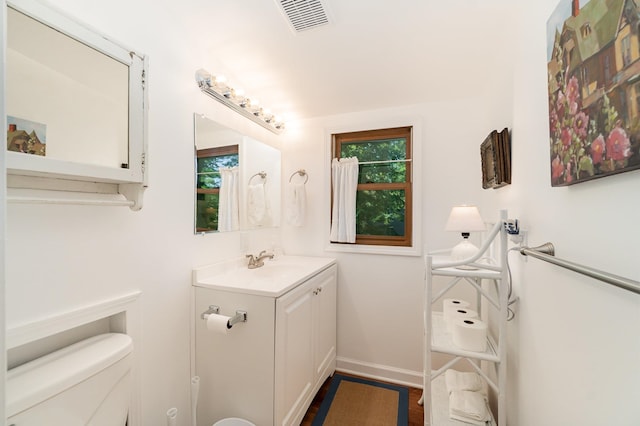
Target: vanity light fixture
(218,89)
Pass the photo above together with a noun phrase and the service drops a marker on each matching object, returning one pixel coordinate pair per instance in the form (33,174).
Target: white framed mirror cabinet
(76,111)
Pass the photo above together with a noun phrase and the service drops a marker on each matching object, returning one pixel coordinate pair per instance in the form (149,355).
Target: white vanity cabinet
(305,344)
(267,369)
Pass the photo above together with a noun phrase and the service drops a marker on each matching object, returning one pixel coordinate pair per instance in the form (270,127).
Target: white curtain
(228,211)
(345,184)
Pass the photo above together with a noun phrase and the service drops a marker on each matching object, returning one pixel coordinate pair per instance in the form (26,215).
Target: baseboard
(380,372)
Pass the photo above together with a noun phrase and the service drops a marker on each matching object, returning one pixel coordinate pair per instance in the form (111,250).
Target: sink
(274,278)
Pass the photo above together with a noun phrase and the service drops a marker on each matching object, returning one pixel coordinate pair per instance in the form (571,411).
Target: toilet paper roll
(449,305)
(459,313)
(469,334)
(218,323)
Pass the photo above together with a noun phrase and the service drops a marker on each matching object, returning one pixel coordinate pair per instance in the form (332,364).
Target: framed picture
(26,136)
(593,64)
(495,155)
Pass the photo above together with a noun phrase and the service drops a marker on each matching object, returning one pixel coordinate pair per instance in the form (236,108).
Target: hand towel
(463,381)
(297,204)
(256,204)
(468,406)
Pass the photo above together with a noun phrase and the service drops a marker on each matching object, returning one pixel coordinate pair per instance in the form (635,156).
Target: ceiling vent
(304,14)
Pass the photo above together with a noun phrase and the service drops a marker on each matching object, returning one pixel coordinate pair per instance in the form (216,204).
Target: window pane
(213,164)
(382,173)
(207,212)
(378,150)
(375,150)
(208,176)
(209,181)
(380,212)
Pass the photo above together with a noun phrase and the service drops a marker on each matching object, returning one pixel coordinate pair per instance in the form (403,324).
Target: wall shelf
(490,364)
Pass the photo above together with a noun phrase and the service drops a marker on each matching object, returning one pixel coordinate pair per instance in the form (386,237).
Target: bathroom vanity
(267,369)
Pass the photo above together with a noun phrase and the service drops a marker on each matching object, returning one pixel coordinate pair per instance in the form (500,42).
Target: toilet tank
(87,383)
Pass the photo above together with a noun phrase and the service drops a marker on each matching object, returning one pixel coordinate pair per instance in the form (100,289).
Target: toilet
(88,382)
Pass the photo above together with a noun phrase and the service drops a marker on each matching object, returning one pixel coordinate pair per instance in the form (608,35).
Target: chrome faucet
(258,261)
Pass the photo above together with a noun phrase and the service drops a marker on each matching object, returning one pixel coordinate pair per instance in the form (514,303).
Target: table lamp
(464,219)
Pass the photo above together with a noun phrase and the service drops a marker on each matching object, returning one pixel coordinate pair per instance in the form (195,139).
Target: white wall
(575,341)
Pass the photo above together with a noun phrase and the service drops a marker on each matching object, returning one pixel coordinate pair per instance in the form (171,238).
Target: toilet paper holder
(240,316)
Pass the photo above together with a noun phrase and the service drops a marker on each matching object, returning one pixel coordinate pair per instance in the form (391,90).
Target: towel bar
(263,175)
(301,172)
(541,252)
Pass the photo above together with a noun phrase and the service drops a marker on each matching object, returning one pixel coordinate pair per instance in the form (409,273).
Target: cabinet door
(324,319)
(294,373)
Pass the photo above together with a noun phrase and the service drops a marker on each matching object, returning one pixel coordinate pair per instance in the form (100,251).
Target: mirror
(237,180)
(70,97)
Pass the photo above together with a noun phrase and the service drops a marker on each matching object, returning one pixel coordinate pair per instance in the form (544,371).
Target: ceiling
(372,54)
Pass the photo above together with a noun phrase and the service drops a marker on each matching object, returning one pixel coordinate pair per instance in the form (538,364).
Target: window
(626,50)
(585,29)
(383,200)
(208,180)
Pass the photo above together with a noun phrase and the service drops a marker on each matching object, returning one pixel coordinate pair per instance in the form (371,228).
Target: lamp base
(463,250)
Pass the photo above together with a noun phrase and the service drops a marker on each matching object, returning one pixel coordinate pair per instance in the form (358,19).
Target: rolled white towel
(468,406)
(464,381)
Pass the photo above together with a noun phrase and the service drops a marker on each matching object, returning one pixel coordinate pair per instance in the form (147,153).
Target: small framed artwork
(26,136)
(495,154)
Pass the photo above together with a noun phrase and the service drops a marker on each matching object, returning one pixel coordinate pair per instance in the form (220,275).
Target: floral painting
(593,51)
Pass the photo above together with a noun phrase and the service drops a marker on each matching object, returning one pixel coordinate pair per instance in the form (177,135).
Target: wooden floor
(416,412)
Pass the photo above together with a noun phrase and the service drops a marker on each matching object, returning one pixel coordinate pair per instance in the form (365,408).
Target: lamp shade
(465,219)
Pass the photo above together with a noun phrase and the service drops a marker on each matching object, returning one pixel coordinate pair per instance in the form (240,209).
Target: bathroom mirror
(237,180)
(75,99)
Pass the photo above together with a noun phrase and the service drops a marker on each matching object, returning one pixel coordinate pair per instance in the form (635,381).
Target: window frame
(405,132)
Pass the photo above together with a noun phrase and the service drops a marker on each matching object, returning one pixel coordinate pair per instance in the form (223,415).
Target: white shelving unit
(490,364)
